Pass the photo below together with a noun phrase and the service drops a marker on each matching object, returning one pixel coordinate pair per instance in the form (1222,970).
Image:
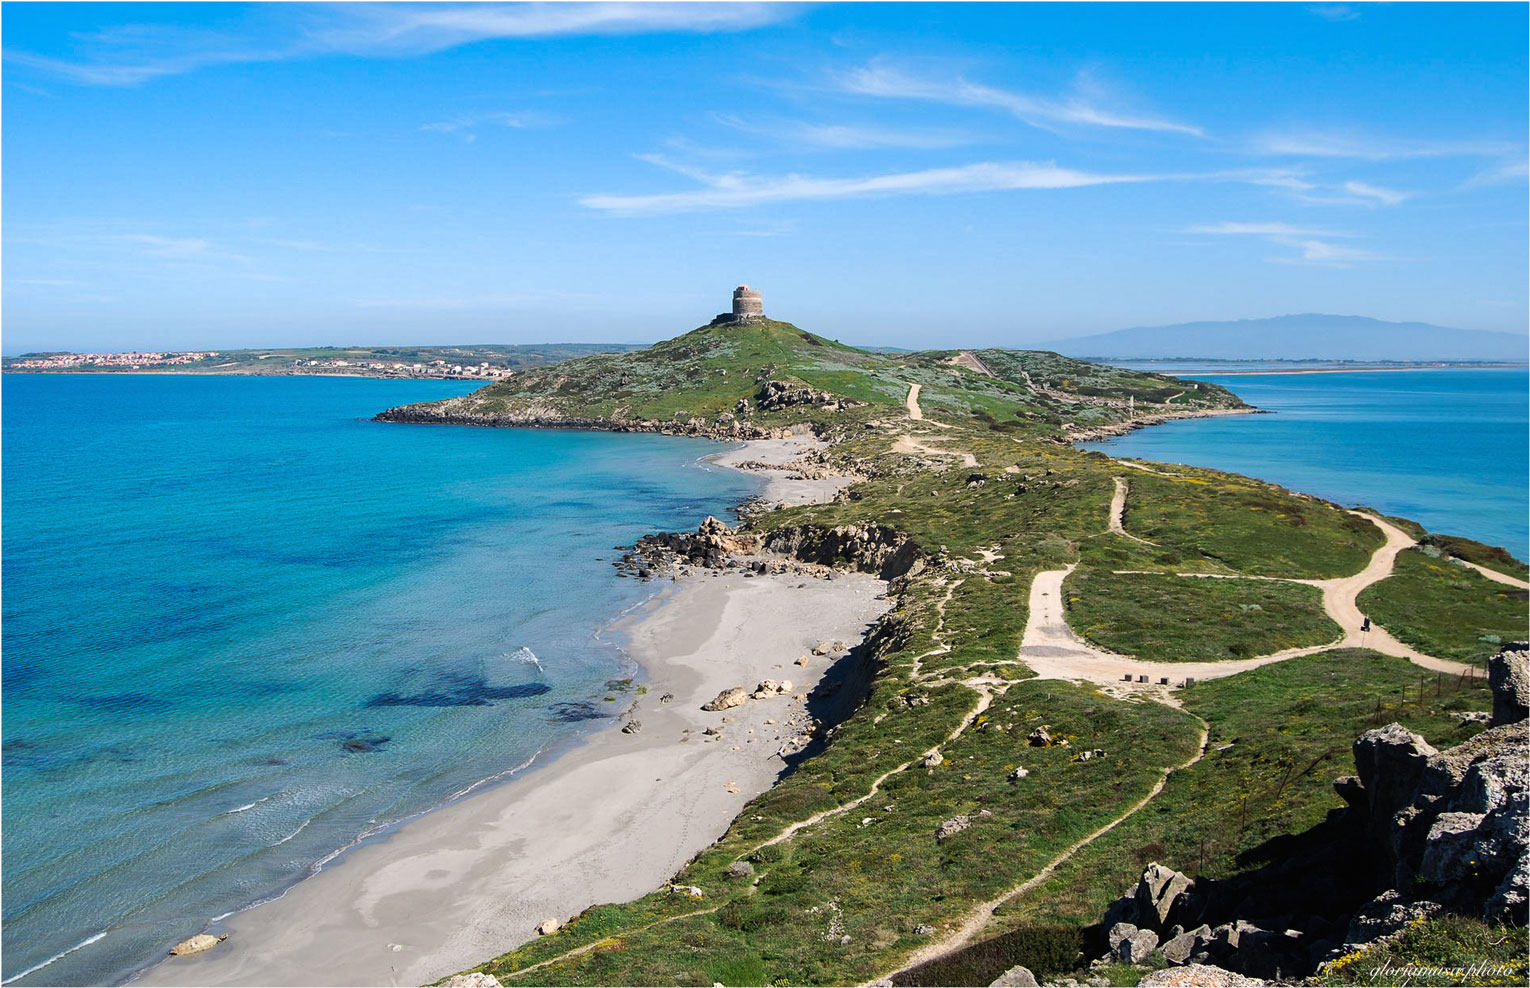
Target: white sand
(607,822)
(780,485)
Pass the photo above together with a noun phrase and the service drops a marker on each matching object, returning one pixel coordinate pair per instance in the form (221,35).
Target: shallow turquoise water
(1449,448)
(217,588)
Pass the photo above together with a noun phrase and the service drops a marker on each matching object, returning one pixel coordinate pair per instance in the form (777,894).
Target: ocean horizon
(244,626)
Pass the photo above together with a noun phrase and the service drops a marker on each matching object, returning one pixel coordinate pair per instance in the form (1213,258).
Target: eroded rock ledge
(548,418)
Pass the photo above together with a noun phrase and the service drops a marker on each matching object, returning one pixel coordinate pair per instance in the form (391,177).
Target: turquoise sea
(244,626)
(1449,448)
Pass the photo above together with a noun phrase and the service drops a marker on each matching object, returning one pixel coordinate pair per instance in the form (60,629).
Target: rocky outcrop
(473,979)
(1015,977)
(869,548)
(1509,675)
(713,545)
(540,415)
(776,395)
(197,944)
(1196,976)
(735,697)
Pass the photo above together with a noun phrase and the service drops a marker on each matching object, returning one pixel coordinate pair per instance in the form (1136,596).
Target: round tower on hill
(747,304)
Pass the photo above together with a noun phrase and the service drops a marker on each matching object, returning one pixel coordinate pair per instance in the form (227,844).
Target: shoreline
(1099,433)
(456,885)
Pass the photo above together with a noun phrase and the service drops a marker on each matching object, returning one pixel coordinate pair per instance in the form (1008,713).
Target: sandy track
(1494,575)
(1053,651)
(1118,510)
(908,444)
(912,401)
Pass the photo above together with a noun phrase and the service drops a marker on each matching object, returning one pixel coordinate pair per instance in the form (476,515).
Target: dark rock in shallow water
(470,693)
(364,744)
(573,711)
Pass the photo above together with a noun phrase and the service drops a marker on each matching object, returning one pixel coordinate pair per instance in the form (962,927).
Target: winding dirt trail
(1494,575)
(978,917)
(912,401)
(1054,651)
(908,444)
(1118,511)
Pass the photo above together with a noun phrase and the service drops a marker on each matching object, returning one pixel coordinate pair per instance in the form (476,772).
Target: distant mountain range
(1311,336)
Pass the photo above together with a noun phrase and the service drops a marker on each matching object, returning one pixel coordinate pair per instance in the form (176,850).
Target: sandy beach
(608,821)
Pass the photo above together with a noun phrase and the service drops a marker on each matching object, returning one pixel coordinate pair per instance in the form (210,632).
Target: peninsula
(1103,722)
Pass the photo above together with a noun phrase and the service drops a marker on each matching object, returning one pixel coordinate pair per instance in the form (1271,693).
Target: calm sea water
(243,626)
(1447,448)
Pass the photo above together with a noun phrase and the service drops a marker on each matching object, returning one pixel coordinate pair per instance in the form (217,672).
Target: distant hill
(1310,336)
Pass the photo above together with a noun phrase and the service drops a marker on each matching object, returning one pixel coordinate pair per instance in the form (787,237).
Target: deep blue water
(243,625)
(1447,448)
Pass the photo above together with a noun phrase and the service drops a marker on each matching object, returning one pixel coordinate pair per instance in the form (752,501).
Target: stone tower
(747,304)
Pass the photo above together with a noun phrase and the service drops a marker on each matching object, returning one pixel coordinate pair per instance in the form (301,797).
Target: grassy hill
(985,484)
(723,374)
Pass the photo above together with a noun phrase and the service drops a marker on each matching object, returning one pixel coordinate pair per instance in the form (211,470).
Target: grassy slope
(1043,505)
(1445,609)
(706,372)
(1167,618)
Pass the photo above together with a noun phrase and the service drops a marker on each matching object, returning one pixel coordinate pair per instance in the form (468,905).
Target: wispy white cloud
(737,189)
(466,126)
(1313,144)
(136,53)
(1387,197)
(844,137)
(1505,173)
(881,79)
(1229,228)
(1335,11)
(1311,246)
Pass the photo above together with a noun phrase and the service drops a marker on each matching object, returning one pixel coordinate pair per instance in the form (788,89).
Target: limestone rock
(473,979)
(1510,902)
(727,698)
(953,826)
(1177,950)
(1509,675)
(689,891)
(1136,948)
(1196,976)
(1018,774)
(785,686)
(933,759)
(766,688)
(197,944)
(1119,933)
(1015,977)
(1040,738)
(548,927)
(632,727)
(1383,916)
(1157,891)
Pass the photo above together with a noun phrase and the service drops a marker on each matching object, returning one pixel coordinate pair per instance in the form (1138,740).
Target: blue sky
(218,175)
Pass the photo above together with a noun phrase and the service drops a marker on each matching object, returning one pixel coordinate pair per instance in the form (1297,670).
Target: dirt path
(972,362)
(1494,575)
(1118,509)
(979,916)
(1054,651)
(912,401)
(908,444)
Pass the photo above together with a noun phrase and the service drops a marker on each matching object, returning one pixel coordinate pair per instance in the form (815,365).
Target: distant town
(476,363)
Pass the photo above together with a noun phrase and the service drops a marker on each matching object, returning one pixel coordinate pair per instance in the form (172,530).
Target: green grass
(1278,737)
(875,881)
(1446,610)
(1214,520)
(1168,618)
(1444,950)
(1491,556)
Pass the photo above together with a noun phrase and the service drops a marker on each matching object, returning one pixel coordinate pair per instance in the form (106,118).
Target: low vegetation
(1169,618)
(1445,609)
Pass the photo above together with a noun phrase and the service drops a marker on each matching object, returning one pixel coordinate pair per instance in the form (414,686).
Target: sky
(188,175)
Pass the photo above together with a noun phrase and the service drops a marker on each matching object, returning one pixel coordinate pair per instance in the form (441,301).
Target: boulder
(1391,762)
(1015,977)
(953,826)
(1177,950)
(1018,774)
(727,698)
(1510,902)
(1509,676)
(1119,932)
(473,979)
(933,759)
(1136,948)
(1196,976)
(632,727)
(1383,916)
(548,927)
(1040,738)
(197,944)
(766,688)
(1157,891)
